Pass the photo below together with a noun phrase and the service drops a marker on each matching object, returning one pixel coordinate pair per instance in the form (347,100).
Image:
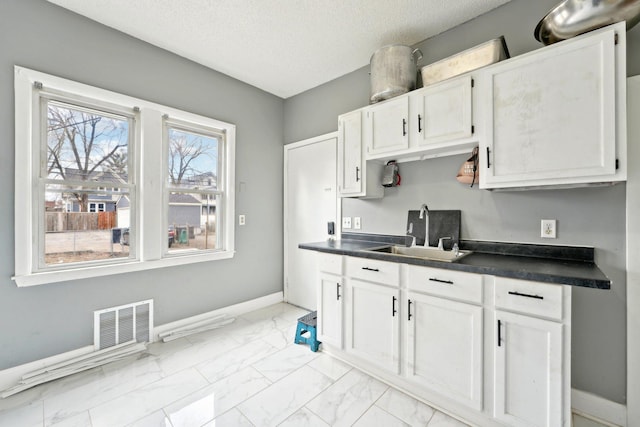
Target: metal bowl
(572,17)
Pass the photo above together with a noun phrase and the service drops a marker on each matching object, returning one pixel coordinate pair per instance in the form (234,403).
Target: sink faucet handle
(441,242)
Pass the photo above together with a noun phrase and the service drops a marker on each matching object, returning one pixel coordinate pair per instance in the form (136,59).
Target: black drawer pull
(337,291)
(409,309)
(488,162)
(393,306)
(499,332)
(525,295)
(404,127)
(448,282)
(370,269)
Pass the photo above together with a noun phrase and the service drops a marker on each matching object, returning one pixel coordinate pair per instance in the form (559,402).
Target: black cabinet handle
(337,291)
(488,162)
(525,295)
(393,306)
(419,123)
(433,279)
(499,332)
(370,269)
(409,309)
(404,127)
(357,174)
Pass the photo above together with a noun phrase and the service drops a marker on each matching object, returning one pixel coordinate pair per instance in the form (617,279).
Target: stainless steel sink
(429,253)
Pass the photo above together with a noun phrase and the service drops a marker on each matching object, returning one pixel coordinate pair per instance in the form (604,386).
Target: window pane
(86,145)
(84,224)
(193,160)
(192,222)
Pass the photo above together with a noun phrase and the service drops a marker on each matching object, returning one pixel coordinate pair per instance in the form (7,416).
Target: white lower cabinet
(444,347)
(429,331)
(330,297)
(330,309)
(528,371)
(532,349)
(373,324)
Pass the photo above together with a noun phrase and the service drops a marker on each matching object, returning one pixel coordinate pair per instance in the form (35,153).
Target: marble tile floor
(246,374)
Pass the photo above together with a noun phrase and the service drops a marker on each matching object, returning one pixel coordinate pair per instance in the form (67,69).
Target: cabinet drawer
(330,263)
(387,273)
(446,283)
(538,299)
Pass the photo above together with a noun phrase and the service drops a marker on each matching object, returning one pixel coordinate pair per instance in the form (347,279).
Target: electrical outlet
(548,228)
(356,223)
(242,220)
(346,222)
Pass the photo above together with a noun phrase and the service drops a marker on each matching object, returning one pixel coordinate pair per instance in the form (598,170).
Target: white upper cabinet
(353,178)
(429,122)
(350,153)
(555,116)
(442,112)
(387,127)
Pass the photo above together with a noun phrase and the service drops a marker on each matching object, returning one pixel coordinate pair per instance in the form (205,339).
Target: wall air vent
(118,325)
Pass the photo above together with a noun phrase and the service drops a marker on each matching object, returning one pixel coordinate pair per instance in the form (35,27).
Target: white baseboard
(232,310)
(598,408)
(10,377)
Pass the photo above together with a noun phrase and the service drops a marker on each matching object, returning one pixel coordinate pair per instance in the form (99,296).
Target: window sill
(43,278)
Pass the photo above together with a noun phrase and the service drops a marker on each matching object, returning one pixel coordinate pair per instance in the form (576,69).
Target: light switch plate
(548,228)
(356,223)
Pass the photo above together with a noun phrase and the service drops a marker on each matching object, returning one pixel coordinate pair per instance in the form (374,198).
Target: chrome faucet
(423,209)
(424,214)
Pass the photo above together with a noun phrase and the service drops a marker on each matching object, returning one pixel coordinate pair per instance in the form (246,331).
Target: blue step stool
(307,323)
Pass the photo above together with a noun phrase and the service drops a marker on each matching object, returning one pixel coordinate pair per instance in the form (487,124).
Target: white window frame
(148,230)
(96,206)
(179,123)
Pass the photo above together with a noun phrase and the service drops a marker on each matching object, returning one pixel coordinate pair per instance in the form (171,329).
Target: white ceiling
(281,46)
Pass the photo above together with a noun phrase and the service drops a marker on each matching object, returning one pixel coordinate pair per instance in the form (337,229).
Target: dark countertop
(566,265)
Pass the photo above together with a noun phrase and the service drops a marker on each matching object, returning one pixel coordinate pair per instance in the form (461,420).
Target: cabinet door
(443,112)
(444,347)
(387,127)
(373,324)
(330,310)
(552,115)
(528,371)
(350,153)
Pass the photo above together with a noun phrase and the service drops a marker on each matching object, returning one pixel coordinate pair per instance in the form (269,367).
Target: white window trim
(178,123)
(150,243)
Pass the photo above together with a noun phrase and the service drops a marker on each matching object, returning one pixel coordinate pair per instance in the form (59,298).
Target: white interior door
(310,201)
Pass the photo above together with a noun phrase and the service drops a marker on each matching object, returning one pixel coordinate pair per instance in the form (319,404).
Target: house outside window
(80,203)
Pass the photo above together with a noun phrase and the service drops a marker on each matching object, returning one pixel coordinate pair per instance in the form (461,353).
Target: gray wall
(40,321)
(588,216)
